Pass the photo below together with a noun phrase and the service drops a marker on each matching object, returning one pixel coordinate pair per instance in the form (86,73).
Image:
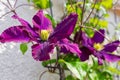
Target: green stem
(51,11)
(90,12)
(61,70)
(83,10)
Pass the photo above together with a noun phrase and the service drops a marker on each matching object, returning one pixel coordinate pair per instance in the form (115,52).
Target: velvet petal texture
(99,36)
(40,22)
(64,29)
(85,53)
(27,27)
(68,47)
(41,52)
(15,34)
(110,57)
(85,45)
(111,46)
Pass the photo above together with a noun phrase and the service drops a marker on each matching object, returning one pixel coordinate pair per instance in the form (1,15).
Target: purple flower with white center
(93,46)
(43,35)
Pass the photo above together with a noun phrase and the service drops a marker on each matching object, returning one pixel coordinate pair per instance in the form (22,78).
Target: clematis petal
(86,41)
(68,47)
(86,45)
(99,36)
(64,29)
(41,22)
(110,57)
(40,52)
(78,37)
(26,25)
(22,21)
(15,34)
(81,37)
(100,57)
(111,46)
(100,61)
(86,52)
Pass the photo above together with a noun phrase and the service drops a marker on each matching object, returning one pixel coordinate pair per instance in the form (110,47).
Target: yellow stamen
(98,46)
(44,34)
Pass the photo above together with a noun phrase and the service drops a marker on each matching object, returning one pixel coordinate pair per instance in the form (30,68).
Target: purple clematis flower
(93,46)
(43,35)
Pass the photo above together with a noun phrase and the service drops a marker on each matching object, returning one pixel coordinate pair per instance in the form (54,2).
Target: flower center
(44,34)
(98,46)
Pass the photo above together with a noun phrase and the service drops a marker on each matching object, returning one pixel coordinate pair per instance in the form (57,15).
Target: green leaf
(106,15)
(100,23)
(107,3)
(100,74)
(95,62)
(28,0)
(42,4)
(103,23)
(106,75)
(79,69)
(52,19)
(23,48)
(71,58)
(93,76)
(70,77)
(89,32)
(45,63)
(113,70)
(70,8)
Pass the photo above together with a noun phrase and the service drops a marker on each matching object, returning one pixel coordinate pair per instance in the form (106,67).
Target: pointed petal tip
(99,36)
(40,21)
(65,28)
(14,16)
(74,15)
(111,47)
(14,34)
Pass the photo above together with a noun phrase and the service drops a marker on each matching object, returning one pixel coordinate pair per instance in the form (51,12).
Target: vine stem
(90,12)
(51,11)
(24,5)
(71,4)
(83,10)
(5,14)
(5,4)
(61,70)
(9,4)
(42,74)
(15,3)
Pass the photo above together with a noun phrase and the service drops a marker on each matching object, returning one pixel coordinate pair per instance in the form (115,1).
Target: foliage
(41,4)
(23,48)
